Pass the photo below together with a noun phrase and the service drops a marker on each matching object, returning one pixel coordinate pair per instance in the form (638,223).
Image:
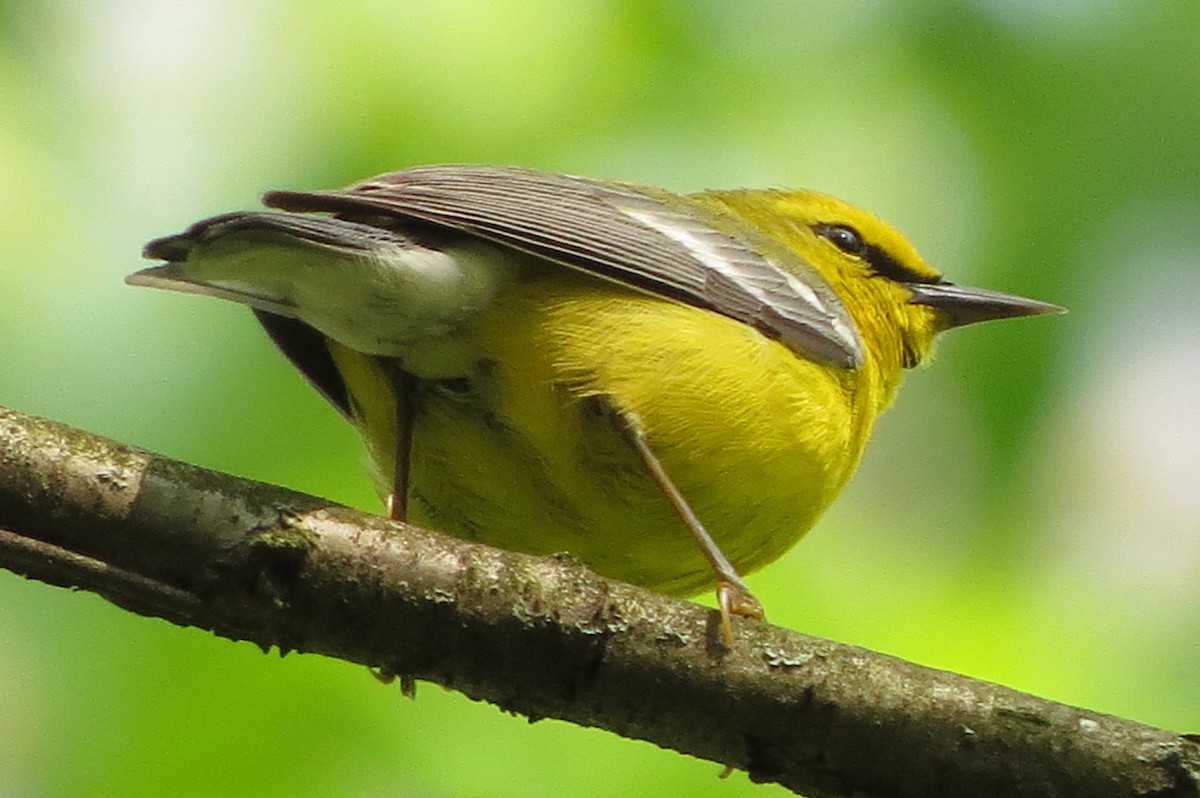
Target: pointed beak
(960,305)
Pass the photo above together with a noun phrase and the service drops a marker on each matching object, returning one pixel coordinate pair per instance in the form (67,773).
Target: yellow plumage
(515,414)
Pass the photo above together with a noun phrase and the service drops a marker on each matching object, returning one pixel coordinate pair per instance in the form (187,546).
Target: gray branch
(543,637)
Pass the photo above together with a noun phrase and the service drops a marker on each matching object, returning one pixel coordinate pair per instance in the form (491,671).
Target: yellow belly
(527,456)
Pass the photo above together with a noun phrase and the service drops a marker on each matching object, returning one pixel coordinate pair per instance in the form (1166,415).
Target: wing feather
(640,237)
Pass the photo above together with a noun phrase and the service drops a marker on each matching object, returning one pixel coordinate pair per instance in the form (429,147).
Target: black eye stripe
(850,241)
(885,265)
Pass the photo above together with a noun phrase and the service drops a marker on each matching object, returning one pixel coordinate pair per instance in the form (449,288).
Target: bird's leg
(733,595)
(404,389)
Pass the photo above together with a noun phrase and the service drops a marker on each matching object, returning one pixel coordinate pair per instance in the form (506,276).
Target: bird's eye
(845,238)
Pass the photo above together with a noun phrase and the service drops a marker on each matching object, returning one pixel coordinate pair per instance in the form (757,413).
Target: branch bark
(543,637)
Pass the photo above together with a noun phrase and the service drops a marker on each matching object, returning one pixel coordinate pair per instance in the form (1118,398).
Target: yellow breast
(758,440)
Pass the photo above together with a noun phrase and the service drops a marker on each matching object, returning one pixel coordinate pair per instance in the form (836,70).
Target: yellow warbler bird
(670,387)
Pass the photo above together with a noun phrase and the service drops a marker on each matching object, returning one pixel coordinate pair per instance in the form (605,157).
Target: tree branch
(543,637)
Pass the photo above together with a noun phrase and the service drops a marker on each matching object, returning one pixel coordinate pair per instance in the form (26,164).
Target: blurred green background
(1028,513)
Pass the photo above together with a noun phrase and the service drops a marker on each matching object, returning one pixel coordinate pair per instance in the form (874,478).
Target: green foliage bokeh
(1027,513)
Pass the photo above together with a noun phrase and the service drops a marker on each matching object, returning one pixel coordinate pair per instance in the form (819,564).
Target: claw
(736,599)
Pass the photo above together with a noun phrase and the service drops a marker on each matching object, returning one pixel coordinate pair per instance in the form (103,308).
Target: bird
(670,387)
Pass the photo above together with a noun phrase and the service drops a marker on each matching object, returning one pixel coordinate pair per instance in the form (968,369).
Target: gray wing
(639,237)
